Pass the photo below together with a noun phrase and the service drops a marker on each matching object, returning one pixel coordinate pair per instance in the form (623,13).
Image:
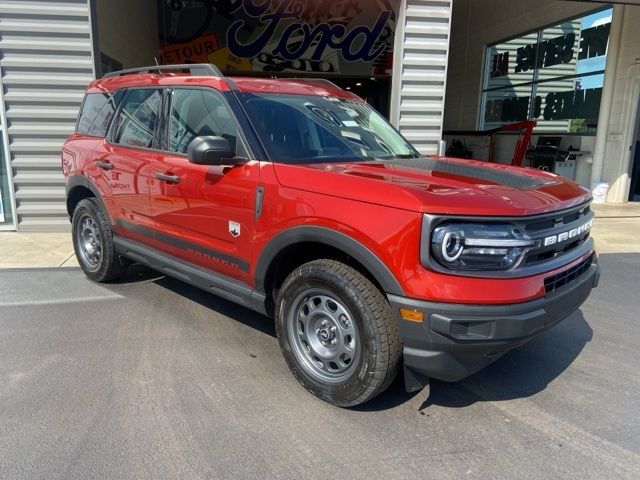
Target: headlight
(470,246)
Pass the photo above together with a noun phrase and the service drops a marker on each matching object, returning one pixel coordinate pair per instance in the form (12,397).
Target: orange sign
(196,51)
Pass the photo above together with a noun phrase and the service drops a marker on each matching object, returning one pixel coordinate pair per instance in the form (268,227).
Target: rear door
(98,109)
(204,214)
(125,159)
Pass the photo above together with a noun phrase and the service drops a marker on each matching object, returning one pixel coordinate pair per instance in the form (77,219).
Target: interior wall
(128,31)
(475,24)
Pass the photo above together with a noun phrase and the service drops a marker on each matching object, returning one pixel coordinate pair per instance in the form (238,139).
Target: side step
(195,275)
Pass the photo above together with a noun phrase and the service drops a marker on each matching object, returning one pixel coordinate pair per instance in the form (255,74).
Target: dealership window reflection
(553,75)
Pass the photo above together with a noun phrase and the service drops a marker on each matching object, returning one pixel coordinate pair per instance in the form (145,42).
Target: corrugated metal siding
(46,63)
(420,71)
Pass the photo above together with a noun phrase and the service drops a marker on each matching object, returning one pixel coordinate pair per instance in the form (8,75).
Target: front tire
(337,333)
(93,243)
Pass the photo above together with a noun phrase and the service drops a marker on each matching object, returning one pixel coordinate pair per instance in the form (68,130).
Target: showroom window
(553,75)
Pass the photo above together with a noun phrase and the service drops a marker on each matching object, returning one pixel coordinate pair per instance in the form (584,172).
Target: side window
(196,113)
(96,113)
(139,118)
(101,121)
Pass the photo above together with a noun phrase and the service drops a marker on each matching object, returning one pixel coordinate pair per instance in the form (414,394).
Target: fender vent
(566,277)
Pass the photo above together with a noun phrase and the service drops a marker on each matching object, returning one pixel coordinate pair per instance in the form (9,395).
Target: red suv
(296,199)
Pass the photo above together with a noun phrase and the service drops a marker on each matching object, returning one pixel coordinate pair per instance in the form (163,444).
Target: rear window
(139,118)
(97,112)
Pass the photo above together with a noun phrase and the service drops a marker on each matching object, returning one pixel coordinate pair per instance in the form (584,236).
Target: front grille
(553,221)
(540,255)
(552,224)
(566,277)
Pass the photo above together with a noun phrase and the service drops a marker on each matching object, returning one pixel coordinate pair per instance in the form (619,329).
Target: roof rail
(322,81)
(195,69)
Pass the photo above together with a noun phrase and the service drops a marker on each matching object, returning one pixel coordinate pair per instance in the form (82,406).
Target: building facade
(595,87)
(436,69)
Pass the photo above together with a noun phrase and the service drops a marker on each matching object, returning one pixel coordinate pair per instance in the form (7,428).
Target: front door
(204,214)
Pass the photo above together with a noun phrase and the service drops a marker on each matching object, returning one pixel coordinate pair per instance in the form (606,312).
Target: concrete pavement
(151,378)
(36,250)
(613,210)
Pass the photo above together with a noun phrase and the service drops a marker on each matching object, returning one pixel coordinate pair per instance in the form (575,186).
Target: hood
(438,186)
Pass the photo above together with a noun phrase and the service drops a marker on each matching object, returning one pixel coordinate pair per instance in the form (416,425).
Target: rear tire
(93,242)
(337,333)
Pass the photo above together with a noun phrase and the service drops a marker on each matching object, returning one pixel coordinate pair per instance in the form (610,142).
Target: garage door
(420,71)
(46,62)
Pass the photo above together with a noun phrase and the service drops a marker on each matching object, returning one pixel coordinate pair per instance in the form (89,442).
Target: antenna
(156,60)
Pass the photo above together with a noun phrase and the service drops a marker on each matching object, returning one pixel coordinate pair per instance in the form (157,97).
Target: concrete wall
(477,23)
(128,31)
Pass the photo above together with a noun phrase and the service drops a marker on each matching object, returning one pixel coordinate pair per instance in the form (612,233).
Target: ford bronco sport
(296,199)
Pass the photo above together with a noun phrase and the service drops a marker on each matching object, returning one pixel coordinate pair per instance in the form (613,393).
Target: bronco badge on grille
(569,234)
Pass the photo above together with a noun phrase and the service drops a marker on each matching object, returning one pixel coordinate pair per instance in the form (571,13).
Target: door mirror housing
(210,150)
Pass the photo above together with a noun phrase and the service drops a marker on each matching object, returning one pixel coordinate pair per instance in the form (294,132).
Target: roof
(291,86)
(244,84)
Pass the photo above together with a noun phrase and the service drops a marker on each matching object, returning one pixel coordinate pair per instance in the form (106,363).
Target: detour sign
(196,51)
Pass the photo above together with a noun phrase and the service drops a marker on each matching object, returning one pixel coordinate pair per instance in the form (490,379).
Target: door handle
(168,178)
(104,165)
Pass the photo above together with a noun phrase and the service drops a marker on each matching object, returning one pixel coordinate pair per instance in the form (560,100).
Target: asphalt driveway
(150,378)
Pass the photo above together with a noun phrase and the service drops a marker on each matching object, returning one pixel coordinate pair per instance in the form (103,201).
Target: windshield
(314,129)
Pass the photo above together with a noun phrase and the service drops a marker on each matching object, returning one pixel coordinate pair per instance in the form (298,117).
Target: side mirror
(210,150)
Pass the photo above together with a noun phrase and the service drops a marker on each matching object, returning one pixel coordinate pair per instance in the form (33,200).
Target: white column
(607,93)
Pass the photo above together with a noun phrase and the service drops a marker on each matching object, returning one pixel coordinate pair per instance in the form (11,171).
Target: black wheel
(337,333)
(93,242)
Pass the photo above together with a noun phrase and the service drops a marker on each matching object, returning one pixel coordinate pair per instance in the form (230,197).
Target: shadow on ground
(138,274)
(519,374)
(220,305)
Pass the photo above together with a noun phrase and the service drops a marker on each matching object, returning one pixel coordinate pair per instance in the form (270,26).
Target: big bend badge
(234,229)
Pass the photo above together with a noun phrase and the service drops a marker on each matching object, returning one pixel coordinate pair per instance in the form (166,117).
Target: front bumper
(456,340)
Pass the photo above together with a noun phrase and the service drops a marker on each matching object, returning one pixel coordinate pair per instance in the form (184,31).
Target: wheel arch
(79,188)
(331,240)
